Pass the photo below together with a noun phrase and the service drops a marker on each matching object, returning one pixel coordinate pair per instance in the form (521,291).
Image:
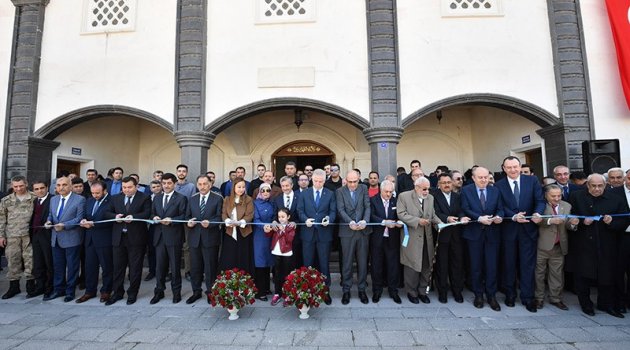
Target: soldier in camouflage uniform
(15,215)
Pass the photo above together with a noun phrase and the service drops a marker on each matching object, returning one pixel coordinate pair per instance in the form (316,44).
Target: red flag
(619,15)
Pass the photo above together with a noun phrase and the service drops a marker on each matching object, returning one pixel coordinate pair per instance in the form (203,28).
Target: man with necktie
(561,174)
(129,238)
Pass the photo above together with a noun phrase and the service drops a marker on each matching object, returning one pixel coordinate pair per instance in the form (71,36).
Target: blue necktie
(202,205)
(317,197)
(63,202)
(517,192)
(565,192)
(95,207)
(482,199)
(354,201)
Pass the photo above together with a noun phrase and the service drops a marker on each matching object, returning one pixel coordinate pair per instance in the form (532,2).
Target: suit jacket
(43,218)
(278,203)
(100,235)
(172,234)
(306,209)
(410,211)
(471,205)
(531,201)
(378,214)
(72,234)
(349,210)
(205,237)
(547,232)
(443,210)
(140,208)
(572,188)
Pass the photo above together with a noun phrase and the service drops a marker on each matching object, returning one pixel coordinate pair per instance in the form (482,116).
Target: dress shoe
(612,312)
(113,299)
(510,301)
(149,277)
(395,298)
(327,299)
(156,298)
(425,299)
(588,310)
(531,306)
(104,297)
(34,294)
(412,299)
(345,299)
(53,295)
(177,297)
(376,297)
(494,305)
(68,298)
(196,296)
(478,303)
(459,298)
(85,298)
(364,298)
(560,305)
(442,298)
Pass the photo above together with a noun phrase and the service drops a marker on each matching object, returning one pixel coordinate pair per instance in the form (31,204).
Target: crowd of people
(491,233)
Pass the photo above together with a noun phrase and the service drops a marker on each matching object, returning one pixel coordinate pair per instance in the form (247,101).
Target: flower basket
(233,289)
(304,287)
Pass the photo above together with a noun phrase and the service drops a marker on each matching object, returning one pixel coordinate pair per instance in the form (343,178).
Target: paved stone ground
(33,324)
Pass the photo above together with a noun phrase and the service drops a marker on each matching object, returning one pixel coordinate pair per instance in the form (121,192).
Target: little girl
(282,249)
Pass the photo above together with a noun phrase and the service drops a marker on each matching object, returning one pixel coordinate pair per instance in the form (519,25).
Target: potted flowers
(305,288)
(233,289)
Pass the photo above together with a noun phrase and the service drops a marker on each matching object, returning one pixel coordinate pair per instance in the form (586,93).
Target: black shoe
(425,299)
(510,301)
(612,312)
(531,306)
(261,297)
(149,277)
(30,288)
(131,300)
(459,298)
(478,303)
(494,305)
(14,289)
(156,298)
(442,298)
(588,310)
(113,299)
(364,298)
(177,297)
(68,298)
(376,297)
(53,295)
(412,299)
(345,299)
(327,299)
(34,294)
(395,297)
(196,296)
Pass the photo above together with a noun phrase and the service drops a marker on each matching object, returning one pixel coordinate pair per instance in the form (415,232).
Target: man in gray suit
(66,211)
(353,207)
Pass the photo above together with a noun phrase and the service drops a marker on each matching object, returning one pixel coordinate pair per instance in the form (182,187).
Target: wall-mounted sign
(76,151)
(383,145)
(526,139)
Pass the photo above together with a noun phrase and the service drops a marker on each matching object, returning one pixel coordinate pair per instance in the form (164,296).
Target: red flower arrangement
(233,289)
(304,286)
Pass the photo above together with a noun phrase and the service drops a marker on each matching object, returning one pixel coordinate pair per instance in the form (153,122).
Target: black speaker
(600,155)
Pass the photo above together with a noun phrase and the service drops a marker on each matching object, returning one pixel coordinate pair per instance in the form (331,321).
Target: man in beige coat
(415,209)
(553,245)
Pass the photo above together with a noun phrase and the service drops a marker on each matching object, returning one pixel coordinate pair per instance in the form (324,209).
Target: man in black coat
(596,243)
(168,237)
(622,285)
(450,265)
(204,238)
(40,240)
(129,238)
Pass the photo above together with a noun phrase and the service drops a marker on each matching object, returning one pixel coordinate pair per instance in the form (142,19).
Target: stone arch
(234,116)
(528,110)
(57,126)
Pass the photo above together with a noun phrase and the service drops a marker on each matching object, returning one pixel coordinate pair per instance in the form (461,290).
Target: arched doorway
(302,153)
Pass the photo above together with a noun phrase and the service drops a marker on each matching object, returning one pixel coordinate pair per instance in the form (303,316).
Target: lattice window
(466,8)
(279,11)
(103,16)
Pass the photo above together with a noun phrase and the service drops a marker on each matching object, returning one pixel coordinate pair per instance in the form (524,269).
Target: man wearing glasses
(458,180)
(308,170)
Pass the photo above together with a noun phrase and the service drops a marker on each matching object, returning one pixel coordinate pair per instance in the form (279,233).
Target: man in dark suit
(129,238)
(450,265)
(40,240)
(353,210)
(289,200)
(168,237)
(483,205)
(521,196)
(203,238)
(317,206)
(561,174)
(404,181)
(66,211)
(98,244)
(91,178)
(622,284)
(385,243)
